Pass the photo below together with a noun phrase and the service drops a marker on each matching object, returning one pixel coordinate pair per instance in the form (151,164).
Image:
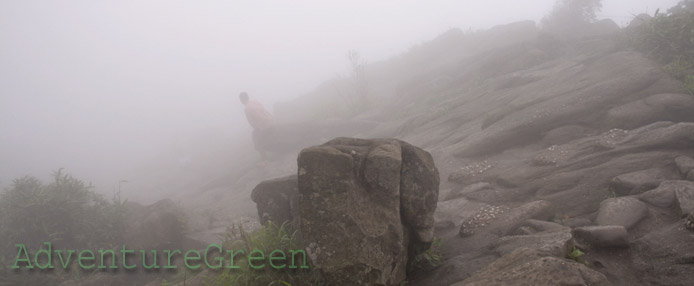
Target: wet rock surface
(526,266)
(624,211)
(602,236)
(366,207)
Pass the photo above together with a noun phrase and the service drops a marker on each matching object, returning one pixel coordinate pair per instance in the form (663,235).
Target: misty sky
(99,87)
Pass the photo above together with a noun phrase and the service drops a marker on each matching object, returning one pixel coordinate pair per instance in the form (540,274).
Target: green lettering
(218,259)
(124,252)
(22,249)
(85,257)
(60,256)
(273,258)
(293,265)
(188,257)
(113,258)
(168,258)
(48,253)
(154,264)
(231,258)
(252,258)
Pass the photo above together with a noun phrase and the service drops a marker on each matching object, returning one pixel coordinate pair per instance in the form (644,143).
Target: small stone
(689,222)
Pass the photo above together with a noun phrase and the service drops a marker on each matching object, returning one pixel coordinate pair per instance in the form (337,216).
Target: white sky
(99,86)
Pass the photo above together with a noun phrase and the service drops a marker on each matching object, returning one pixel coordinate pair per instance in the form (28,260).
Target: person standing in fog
(260,119)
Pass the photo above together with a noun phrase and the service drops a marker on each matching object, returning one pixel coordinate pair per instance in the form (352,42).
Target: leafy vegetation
(576,255)
(567,15)
(669,39)
(66,212)
(428,259)
(266,239)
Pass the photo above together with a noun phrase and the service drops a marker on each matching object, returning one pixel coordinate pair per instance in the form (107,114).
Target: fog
(106,88)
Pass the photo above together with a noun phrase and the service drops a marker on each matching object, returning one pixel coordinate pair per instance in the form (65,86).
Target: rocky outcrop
(526,266)
(276,200)
(366,207)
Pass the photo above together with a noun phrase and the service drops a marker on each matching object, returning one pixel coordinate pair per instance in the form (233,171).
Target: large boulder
(366,207)
(624,211)
(276,200)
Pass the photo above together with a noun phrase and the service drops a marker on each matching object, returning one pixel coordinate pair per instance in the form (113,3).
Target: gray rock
(576,222)
(476,187)
(525,266)
(690,176)
(624,211)
(660,107)
(557,242)
(276,200)
(602,236)
(509,221)
(685,164)
(540,225)
(637,182)
(456,211)
(364,205)
(684,197)
(664,195)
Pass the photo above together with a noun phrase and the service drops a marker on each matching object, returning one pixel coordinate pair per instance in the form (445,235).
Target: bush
(265,239)
(669,39)
(570,15)
(65,212)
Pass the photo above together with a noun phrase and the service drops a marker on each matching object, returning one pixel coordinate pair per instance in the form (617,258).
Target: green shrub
(427,259)
(65,212)
(266,239)
(669,39)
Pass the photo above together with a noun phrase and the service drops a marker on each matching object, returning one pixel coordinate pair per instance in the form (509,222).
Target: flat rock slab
(685,164)
(555,242)
(526,266)
(684,197)
(454,212)
(624,211)
(638,182)
(664,195)
(602,236)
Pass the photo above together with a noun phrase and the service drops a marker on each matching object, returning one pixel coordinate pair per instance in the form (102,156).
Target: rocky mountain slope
(545,144)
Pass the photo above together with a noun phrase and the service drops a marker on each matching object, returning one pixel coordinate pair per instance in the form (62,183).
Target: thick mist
(135,90)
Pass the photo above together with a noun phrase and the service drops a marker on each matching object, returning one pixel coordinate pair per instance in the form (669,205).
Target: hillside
(516,117)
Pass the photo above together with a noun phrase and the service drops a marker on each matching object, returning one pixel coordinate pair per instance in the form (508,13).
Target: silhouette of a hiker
(261,121)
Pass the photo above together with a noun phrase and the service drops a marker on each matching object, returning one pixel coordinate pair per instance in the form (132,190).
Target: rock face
(637,182)
(366,206)
(276,200)
(684,197)
(624,211)
(603,236)
(685,164)
(526,266)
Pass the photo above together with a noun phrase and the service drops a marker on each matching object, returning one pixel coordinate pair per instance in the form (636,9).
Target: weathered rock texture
(276,200)
(526,266)
(366,206)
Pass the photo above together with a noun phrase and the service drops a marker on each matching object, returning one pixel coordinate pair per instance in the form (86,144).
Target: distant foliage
(568,15)
(65,212)
(669,38)
(356,93)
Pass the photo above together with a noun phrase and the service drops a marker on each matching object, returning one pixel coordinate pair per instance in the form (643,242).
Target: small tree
(568,15)
(357,95)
